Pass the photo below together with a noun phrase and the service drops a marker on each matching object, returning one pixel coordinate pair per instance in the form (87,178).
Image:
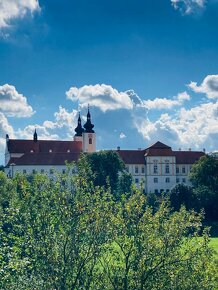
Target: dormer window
(50,150)
(31,151)
(68,151)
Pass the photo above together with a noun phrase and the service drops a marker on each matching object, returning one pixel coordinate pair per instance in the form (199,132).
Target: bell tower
(79,131)
(89,136)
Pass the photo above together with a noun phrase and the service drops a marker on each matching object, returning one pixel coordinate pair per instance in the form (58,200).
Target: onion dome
(88,125)
(79,129)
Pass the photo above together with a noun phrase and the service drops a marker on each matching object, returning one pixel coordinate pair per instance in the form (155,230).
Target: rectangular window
(155,180)
(184,180)
(156,191)
(177,169)
(177,180)
(136,180)
(167,168)
(167,180)
(63,171)
(136,169)
(183,169)
(155,168)
(143,169)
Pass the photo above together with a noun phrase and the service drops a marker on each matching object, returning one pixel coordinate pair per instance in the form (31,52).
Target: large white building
(157,168)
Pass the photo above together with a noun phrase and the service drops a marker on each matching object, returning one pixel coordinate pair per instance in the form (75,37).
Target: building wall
(138,173)
(31,169)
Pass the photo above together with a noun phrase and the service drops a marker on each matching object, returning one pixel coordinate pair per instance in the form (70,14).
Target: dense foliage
(204,193)
(67,233)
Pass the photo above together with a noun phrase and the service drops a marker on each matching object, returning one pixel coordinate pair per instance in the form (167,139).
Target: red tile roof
(132,156)
(159,145)
(25,146)
(44,159)
(187,157)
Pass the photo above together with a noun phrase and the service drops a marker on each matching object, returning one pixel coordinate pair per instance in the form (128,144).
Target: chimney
(139,149)
(179,149)
(189,149)
(118,148)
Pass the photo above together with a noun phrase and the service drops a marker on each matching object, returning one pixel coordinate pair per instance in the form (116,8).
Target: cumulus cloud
(5,128)
(42,131)
(62,127)
(188,6)
(196,127)
(10,10)
(164,103)
(209,86)
(12,103)
(122,135)
(105,97)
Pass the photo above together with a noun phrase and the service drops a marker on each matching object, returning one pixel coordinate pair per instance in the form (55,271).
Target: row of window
(162,190)
(155,171)
(167,180)
(167,169)
(137,169)
(51,171)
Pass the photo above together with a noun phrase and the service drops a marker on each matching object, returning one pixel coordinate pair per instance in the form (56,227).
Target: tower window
(90,141)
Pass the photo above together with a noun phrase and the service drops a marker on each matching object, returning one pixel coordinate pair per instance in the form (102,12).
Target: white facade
(89,142)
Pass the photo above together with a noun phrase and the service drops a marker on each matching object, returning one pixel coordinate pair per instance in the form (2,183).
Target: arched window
(90,140)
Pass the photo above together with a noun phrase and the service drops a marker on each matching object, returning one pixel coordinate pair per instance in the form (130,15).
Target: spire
(79,130)
(88,125)
(35,137)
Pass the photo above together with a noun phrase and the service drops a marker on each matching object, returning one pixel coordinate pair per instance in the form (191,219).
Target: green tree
(180,195)
(1,168)
(205,173)
(108,170)
(67,233)
(204,177)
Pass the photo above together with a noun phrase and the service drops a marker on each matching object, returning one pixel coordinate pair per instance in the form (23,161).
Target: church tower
(79,131)
(89,136)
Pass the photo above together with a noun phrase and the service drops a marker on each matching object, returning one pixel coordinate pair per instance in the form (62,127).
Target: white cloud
(102,96)
(196,128)
(5,128)
(61,128)
(164,103)
(12,9)
(43,133)
(122,135)
(188,6)
(105,97)
(209,86)
(12,103)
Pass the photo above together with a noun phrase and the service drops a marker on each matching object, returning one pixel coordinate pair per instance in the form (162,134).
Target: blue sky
(148,69)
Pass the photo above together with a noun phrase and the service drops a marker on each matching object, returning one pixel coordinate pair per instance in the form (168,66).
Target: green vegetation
(72,232)
(214,244)
(203,194)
